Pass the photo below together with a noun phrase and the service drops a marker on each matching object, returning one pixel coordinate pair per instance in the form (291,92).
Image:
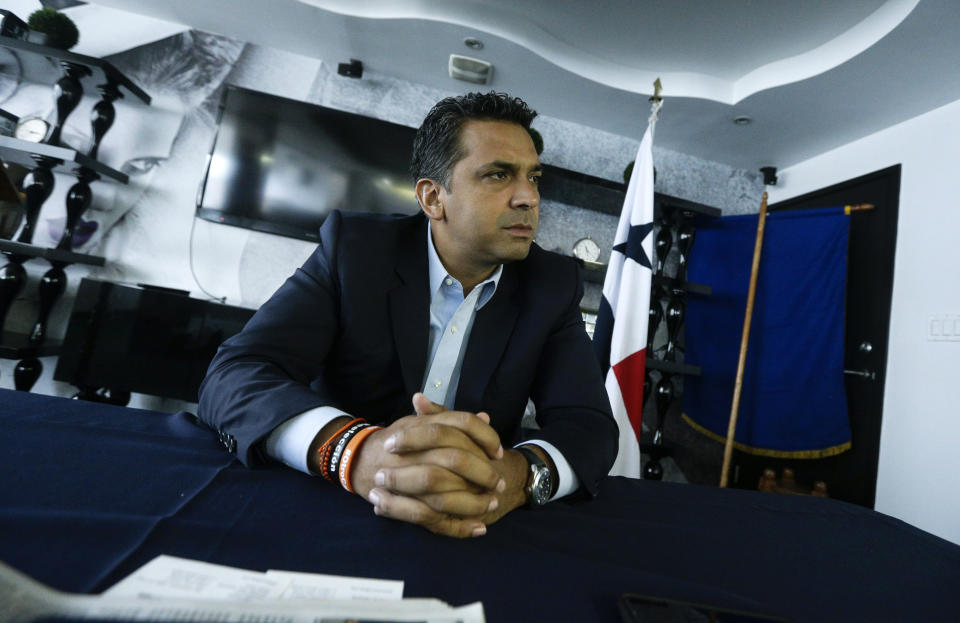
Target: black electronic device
(281,166)
(645,609)
(145,340)
(353,69)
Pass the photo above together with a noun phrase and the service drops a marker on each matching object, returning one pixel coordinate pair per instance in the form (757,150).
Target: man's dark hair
(437,148)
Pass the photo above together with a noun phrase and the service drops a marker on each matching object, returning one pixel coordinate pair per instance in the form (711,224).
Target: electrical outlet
(944,328)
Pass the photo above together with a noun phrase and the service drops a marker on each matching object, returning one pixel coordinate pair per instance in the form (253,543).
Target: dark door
(852,476)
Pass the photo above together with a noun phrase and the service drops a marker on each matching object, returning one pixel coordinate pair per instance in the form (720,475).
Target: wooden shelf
(41,64)
(18,346)
(22,152)
(11,247)
(673,367)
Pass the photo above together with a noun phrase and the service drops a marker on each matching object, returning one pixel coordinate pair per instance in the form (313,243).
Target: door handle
(867,374)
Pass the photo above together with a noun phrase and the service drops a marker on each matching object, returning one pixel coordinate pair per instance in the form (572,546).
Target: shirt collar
(438,273)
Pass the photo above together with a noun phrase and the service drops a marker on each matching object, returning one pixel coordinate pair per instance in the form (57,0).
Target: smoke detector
(470,69)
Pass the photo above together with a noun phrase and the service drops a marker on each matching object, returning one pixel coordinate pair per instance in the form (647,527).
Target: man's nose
(527,196)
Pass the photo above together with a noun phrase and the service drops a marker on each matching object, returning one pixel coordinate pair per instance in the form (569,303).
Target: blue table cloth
(90,492)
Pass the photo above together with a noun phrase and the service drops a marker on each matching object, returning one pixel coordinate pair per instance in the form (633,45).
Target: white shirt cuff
(567,481)
(290,442)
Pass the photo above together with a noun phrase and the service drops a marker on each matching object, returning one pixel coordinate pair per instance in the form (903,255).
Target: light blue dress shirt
(451,321)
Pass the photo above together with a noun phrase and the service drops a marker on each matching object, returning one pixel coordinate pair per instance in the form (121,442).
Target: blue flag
(793,402)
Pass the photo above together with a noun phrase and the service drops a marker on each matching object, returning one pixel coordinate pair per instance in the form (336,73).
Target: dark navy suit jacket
(350,329)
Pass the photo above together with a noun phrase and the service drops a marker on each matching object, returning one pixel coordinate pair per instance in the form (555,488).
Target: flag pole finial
(656,102)
(657,89)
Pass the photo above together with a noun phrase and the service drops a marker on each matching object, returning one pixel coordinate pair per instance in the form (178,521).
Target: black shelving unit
(679,287)
(67,160)
(11,247)
(71,76)
(674,237)
(672,367)
(18,346)
(675,214)
(663,202)
(42,65)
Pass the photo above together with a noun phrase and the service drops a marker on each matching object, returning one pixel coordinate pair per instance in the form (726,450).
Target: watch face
(34,130)
(587,250)
(541,487)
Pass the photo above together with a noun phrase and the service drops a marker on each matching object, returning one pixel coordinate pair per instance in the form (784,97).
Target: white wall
(919,471)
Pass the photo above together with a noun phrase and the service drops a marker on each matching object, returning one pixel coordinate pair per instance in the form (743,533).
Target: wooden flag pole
(745,338)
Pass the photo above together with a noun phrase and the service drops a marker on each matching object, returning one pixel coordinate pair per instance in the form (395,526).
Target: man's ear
(429,194)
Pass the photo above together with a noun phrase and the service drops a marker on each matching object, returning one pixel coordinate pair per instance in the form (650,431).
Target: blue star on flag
(633,247)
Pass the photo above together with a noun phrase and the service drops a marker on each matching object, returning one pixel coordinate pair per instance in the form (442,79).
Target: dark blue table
(90,492)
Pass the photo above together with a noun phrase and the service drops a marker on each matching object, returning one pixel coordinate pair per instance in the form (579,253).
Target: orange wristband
(349,452)
(327,448)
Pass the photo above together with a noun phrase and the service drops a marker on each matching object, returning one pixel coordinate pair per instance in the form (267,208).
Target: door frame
(871,254)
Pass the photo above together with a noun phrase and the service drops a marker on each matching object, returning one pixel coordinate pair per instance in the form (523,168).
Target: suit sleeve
(271,371)
(573,409)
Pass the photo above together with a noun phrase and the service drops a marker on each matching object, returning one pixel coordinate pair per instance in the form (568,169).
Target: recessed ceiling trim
(823,58)
(519,28)
(516,27)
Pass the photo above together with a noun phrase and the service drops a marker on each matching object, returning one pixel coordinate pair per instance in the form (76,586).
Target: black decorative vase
(67,91)
(12,278)
(654,319)
(664,398)
(653,470)
(663,244)
(120,398)
(78,200)
(647,386)
(86,393)
(675,315)
(37,186)
(103,115)
(26,374)
(51,287)
(685,237)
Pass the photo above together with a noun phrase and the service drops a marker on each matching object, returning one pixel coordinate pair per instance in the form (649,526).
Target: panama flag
(620,336)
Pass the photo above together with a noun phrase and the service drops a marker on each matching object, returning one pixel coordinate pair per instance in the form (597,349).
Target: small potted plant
(51,28)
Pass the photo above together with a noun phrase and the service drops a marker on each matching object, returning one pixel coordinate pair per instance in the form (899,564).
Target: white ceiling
(813,75)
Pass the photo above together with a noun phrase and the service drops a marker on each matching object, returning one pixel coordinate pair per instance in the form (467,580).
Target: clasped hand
(444,470)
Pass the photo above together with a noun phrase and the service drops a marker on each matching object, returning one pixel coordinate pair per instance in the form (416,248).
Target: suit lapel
(409,300)
(491,331)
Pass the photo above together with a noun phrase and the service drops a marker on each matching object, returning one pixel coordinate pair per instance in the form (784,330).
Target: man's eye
(536,179)
(140,166)
(498,175)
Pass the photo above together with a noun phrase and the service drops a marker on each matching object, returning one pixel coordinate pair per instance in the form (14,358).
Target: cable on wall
(220,299)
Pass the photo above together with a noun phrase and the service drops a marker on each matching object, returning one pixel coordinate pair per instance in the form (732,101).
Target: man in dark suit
(455,310)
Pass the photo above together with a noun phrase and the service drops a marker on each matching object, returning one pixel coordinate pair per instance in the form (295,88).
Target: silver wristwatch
(540,481)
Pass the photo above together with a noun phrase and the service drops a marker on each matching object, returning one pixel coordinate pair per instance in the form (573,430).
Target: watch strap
(536,463)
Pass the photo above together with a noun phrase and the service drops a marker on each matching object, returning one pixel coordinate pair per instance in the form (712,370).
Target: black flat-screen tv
(143,339)
(280,166)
